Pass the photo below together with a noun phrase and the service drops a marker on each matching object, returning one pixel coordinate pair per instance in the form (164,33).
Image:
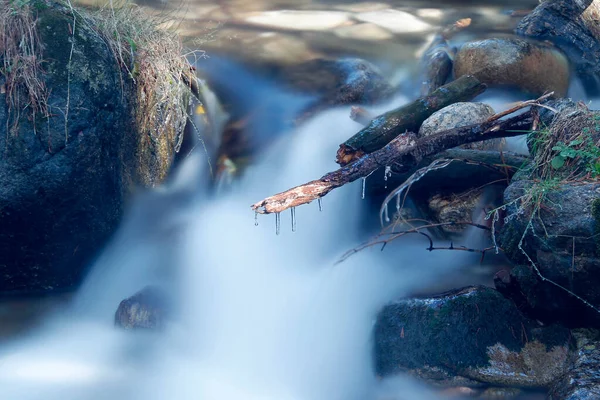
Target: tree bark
(408,118)
(405,149)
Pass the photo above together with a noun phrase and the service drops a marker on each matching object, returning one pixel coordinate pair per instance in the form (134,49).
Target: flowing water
(258,316)
(255,315)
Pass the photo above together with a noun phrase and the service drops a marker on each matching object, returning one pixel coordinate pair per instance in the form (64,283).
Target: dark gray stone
(147,309)
(564,247)
(582,381)
(64,179)
(473,332)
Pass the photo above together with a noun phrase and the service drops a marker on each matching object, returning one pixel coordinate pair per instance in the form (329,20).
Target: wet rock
(64,178)
(455,208)
(563,244)
(501,393)
(342,81)
(457,115)
(582,381)
(573,27)
(532,67)
(147,309)
(473,332)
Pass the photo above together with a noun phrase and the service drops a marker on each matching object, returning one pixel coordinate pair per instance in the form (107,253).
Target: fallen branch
(405,149)
(408,118)
(385,238)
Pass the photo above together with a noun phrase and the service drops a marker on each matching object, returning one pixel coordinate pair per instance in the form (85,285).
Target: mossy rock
(469,333)
(64,178)
(564,245)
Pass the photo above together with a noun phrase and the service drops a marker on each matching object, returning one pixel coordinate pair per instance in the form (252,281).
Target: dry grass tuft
(20,57)
(147,49)
(150,52)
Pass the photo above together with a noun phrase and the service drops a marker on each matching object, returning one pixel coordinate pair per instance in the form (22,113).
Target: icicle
(293,211)
(364,187)
(255,219)
(398,203)
(320,201)
(386,216)
(386,174)
(494,220)
(277,223)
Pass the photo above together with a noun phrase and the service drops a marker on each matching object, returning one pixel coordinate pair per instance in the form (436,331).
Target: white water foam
(258,316)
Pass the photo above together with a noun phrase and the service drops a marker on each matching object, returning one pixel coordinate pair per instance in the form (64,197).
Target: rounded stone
(533,67)
(455,116)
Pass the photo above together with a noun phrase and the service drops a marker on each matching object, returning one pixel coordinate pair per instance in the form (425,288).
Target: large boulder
(561,244)
(550,224)
(529,66)
(573,27)
(474,333)
(90,128)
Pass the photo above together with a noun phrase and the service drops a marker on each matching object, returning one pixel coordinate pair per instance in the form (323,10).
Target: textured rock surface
(563,245)
(582,381)
(531,67)
(573,27)
(475,333)
(454,116)
(455,208)
(147,309)
(457,115)
(63,180)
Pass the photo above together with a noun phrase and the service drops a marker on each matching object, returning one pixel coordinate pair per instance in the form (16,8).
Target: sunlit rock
(532,67)
(365,31)
(299,19)
(396,21)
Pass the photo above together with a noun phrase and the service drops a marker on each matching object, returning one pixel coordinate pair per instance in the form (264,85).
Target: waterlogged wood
(405,149)
(408,118)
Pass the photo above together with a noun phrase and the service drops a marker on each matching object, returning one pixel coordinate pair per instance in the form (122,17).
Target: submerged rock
(336,82)
(70,158)
(456,208)
(533,67)
(473,333)
(147,309)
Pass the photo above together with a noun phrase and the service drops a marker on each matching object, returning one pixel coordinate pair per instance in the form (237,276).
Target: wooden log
(405,149)
(408,118)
